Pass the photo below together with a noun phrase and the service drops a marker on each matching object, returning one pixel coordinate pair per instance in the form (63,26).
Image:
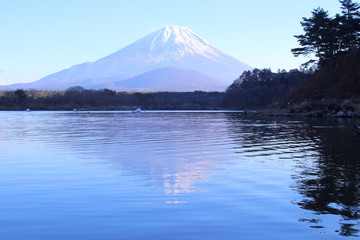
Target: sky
(41,37)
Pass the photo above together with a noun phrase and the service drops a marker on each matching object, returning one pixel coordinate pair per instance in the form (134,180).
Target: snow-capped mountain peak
(169,48)
(170,42)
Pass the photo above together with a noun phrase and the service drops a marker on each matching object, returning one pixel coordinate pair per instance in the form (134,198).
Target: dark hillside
(338,79)
(333,89)
(258,89)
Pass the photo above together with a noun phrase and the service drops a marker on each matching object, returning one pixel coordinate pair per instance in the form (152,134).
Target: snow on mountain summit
(170,42)
(186,42)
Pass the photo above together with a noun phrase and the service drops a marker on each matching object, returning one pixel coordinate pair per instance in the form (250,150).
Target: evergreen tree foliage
(326,37)
(20,95)
(349,21)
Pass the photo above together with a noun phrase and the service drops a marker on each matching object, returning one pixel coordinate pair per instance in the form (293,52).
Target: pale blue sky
(40,37)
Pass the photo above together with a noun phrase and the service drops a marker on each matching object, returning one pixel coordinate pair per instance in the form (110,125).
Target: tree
(20,95)
(259,88)
(320,36)
(109,92)
(327,37)
(349,24)
(76,90)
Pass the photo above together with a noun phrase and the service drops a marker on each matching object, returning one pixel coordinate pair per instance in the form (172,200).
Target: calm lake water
(177,175)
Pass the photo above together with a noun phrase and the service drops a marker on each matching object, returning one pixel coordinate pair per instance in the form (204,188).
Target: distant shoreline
(109,100)
(258,112)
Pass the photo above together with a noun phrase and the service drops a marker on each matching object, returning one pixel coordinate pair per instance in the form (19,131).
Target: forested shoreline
(105,99)
(255,89)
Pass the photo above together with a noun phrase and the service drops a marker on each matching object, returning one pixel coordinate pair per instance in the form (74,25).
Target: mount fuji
(170,59)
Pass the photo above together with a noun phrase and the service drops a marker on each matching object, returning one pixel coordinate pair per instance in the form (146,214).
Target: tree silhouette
(349,24)
(327,37)
(320,36)
(20,95)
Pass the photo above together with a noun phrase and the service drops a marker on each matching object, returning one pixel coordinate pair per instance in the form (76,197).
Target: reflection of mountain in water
(327,163)
(159,152)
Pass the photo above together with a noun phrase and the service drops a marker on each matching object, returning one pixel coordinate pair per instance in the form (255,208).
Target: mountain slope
(171,79)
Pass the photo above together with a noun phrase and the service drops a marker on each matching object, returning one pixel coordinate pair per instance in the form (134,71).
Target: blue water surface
(177,175)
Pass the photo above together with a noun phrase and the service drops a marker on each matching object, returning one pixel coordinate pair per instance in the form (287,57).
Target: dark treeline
(105,99)
(260,88)
(253,89)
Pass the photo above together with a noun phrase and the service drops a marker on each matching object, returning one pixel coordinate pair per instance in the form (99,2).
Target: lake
(177,175)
